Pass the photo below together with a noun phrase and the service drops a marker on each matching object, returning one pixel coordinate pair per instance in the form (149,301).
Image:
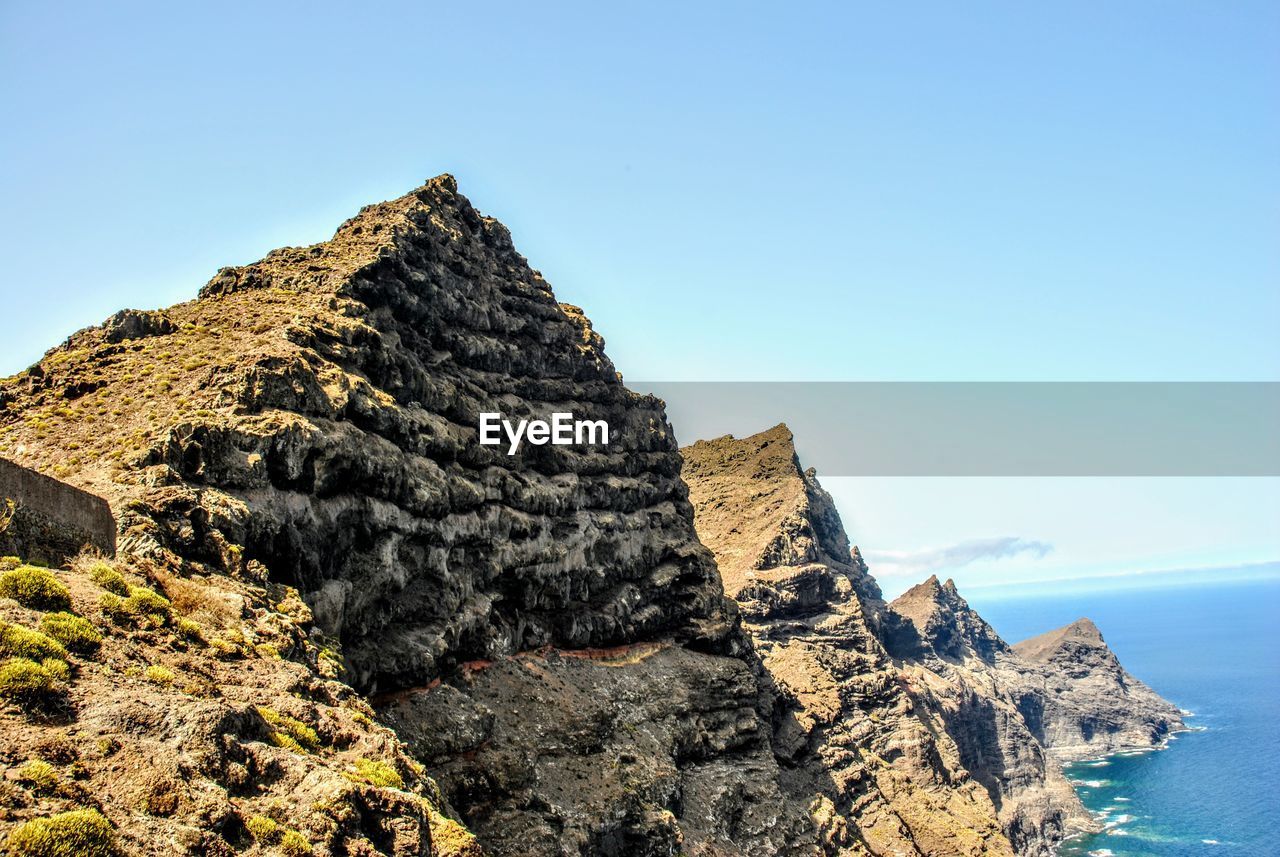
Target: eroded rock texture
(911,725)
(963,670)
(1085,703)
(311,421)
(876,766)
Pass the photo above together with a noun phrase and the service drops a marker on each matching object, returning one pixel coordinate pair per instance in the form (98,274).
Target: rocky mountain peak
(778,540)
(939,620)
(1081,634)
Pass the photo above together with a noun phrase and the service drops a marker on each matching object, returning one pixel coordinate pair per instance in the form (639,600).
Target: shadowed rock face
(878,769)
(311,420)
(1086,704)
(891,720)
(967,673)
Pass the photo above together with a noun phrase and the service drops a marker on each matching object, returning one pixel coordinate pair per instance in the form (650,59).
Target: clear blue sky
(854,191)
(940,191)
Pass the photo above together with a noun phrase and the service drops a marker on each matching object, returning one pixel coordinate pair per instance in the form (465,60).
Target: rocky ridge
(880,706)
(384,638)
(543,629)
(878,769)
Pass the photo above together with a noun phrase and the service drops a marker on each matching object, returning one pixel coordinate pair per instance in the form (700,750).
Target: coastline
(1103,818)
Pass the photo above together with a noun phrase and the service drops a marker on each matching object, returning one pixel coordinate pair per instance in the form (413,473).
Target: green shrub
(189,629)
(72,631)
(159,675)
(147,602)
(263,829)
(142,602)
(36,588)
(112,605)
(289,732)
(26,681)
(375,773)
(40,775)
(294,844)
(108,578)
(17,641)
(8,562)
(79,833)
(59,669)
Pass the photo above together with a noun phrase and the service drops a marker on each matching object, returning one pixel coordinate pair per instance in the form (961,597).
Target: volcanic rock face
(877,769)
(544,627)
(981,689)
(1086,704)
(912,725)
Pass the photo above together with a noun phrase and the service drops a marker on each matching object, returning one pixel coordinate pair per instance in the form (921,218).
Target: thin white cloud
(932,560)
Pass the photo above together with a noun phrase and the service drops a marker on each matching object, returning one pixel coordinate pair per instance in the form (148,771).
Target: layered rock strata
(543,627)
(858,745)
(911,725)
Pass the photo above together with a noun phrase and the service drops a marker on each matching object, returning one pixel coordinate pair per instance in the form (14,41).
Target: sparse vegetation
(25,681)
(34,587)
(289,732)
(142,603)
(294,844)
(108,578)
(189,629)
(20,642)
(147,602)
(76,633)
(375,773)
(79,833)
(159,675)
(263,830)
(39,775)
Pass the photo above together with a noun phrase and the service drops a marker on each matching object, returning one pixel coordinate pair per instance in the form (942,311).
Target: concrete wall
(52,520)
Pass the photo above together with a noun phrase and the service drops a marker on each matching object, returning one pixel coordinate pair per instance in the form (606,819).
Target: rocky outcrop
(962,669)
(858,744)
(891,719)
(1084,703)
(311,422)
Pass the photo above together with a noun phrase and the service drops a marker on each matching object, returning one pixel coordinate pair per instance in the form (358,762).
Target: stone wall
(49,521)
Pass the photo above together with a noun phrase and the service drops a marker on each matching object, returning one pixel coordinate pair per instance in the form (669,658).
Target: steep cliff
(1085,704)
(877,766)
(543,628)
(967,673)
(911,725)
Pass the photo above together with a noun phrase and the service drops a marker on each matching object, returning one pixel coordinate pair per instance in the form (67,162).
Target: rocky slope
(204,722)
(911,725)
(877,767)
(543,628)
(1085,704)
(967,673)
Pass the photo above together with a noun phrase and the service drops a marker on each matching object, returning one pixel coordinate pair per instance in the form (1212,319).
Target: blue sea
(1213,650)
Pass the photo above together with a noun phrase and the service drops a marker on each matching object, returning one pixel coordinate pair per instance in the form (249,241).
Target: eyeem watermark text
(562,430)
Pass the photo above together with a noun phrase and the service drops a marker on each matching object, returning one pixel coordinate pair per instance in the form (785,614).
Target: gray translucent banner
(996,429)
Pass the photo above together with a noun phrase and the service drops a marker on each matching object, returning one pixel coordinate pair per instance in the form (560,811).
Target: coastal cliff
(883,708)
(334,623)
(878,769)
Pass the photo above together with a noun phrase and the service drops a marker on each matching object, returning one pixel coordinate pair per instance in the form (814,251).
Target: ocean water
(1213,650)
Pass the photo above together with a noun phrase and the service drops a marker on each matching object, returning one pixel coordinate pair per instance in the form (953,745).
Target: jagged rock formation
(1086,704)
(895,721)
(293,460)
(877,768)
(966,672)
(544,627)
